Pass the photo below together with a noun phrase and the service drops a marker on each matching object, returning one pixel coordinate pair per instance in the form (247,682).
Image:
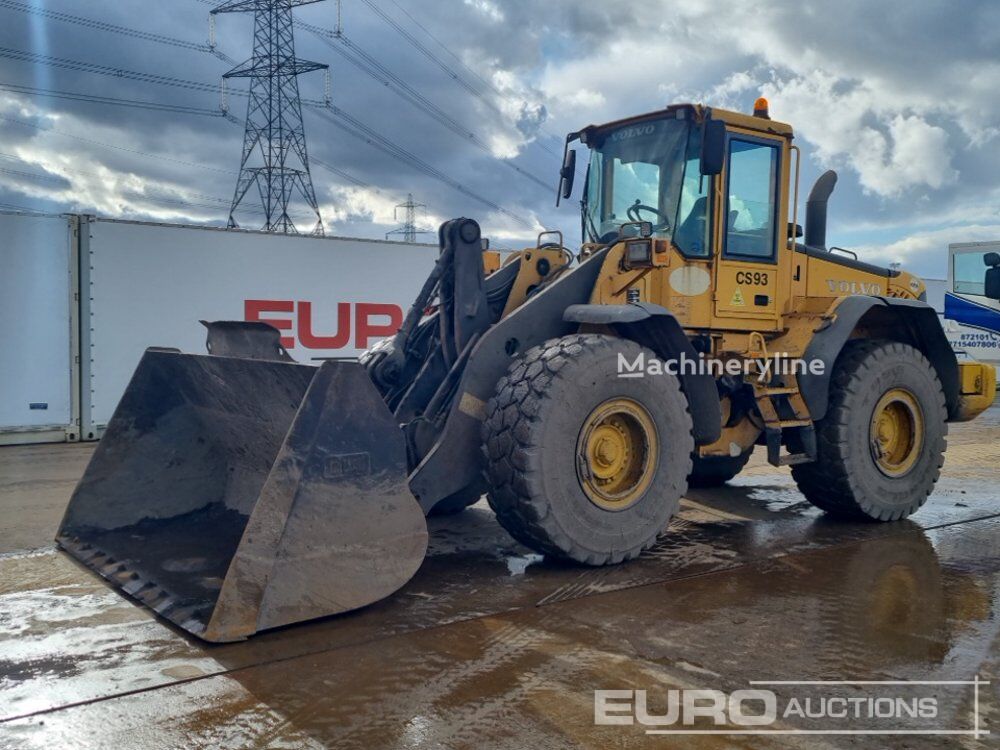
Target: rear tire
(715,471)
(881,444)
(560,412)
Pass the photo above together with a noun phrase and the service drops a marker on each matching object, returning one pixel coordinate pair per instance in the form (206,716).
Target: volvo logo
(633,132)
(853,287)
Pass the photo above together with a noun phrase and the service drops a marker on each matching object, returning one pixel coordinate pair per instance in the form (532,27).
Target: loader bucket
(234,495)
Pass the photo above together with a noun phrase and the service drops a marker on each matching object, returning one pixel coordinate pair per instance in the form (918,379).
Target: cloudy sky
(900,98)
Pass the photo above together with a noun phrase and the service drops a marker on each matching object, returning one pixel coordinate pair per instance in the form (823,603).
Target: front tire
(583,464)
(881,444)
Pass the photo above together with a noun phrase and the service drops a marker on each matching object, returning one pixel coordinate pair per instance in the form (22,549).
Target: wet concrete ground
(489,647)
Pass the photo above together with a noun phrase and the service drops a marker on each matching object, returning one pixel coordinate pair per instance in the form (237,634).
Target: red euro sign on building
(357,325)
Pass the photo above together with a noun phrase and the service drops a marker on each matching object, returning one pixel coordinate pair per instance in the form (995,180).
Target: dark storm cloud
(898,98)
(216,143)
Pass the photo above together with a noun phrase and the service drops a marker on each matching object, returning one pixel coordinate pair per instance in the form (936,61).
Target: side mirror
(992,281)
(566,175)
(635,229)
(713,147)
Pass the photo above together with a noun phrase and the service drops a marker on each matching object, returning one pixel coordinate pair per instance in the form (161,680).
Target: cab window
(751,199)
(969,273)
(636,183)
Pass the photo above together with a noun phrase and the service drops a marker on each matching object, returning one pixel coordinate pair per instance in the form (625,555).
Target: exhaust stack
(816,209)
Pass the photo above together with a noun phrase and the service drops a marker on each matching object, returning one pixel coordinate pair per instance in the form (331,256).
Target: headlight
(639,254)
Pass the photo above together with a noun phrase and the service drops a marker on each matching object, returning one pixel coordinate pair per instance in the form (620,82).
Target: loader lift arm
(439,370)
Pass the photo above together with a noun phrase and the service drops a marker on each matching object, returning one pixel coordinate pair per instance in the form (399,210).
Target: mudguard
(912,321)
(657,328)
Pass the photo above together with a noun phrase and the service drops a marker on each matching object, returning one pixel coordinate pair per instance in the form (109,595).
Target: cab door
(750,216)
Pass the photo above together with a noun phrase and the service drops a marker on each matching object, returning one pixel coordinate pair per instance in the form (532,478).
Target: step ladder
(772,400)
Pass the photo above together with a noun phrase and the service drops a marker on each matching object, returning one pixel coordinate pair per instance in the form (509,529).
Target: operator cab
(660,168)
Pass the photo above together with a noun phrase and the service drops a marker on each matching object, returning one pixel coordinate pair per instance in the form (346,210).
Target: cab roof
(697,112)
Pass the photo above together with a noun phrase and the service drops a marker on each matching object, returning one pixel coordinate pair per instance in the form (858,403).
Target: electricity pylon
(274,161)
(409,229)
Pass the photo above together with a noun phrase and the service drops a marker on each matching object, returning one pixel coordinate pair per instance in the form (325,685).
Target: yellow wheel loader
(238,491)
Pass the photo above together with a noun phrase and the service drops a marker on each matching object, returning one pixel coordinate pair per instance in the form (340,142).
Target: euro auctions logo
(816,707)
(356,324)
(741,708)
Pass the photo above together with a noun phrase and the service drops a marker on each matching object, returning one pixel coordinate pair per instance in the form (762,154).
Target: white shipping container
(935,294)
(37,327)
(149,285)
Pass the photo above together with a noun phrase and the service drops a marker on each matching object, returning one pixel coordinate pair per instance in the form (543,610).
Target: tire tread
(514,484)
(826,482)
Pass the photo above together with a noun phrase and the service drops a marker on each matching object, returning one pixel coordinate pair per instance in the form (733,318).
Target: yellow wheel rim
(897,432)
(617,453)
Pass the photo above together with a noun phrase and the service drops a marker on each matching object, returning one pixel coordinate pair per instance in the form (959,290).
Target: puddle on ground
(915,605)
(518,564)
(750,581)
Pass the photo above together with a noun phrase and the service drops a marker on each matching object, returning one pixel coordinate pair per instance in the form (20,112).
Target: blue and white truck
(972,300)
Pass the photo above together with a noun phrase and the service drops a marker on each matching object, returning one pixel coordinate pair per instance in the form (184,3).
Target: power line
(209,202)
(114,28)
(357,182)
(352,125)
(417,45)
(448,69)
(181,109)
(105,100)
(135,75)
(18,207)
(107,70)
(375,69)
(370,65)
(358,57)
(93,142)
(445,47)
(97,99)
(358,129)
(33,175)
(349,124)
